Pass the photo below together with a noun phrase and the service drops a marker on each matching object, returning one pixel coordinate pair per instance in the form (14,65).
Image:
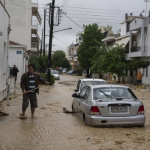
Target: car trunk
(115,108)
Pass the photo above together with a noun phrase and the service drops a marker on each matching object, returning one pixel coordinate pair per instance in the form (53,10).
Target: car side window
(78,84)
(83,92)
(87,93)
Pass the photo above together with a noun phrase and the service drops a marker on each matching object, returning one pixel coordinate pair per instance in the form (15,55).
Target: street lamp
(61,30)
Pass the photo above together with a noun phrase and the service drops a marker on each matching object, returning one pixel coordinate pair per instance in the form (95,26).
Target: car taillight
(95,111)
(141,110)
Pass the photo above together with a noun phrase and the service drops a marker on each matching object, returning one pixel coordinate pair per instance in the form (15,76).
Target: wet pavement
(54,130)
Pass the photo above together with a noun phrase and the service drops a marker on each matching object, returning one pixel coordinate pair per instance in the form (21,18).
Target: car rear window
(84,83)
(114,92)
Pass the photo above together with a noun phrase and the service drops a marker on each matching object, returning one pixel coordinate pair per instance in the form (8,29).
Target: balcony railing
(35,23)
(34,44)
(135,49)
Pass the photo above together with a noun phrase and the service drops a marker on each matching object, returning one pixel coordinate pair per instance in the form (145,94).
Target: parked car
(71,72)
(83,82)
(55,74)
(108,105)
(64,70)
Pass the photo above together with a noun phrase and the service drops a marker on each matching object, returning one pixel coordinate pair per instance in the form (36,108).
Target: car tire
(84,119)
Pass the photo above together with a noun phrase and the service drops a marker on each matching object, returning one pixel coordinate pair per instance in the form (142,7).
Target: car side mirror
(75,95)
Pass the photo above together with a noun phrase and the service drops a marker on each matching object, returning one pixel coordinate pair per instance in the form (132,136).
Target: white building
(4,43)
(25,18)
(18,55)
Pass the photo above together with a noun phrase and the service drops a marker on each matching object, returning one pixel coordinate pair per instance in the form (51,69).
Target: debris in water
(88,138)
(8,105)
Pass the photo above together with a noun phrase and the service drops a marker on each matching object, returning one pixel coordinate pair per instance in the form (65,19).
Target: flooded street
(54,130)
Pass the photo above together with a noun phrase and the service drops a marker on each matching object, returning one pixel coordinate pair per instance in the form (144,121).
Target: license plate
(119,109)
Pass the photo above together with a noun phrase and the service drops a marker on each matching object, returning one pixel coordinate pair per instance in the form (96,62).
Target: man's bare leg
(23,111)
(32,112)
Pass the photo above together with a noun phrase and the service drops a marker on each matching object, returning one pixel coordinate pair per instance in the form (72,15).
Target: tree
(110,60)
(59,54)
(91,42)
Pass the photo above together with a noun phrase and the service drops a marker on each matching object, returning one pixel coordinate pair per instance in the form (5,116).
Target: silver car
(83,82)
(108,105)
(55,74)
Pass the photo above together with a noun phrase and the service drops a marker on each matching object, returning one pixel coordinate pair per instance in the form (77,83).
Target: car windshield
(84,83)
(54,72)
(114,92)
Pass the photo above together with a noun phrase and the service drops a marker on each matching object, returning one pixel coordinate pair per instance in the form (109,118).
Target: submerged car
(108,105)
(55,74)
(83,82)
(71,72)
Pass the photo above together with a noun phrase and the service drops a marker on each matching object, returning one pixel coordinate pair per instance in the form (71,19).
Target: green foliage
(52,79)
(78,71)
(60,59)
(110,60)
(89,47)
(33,60)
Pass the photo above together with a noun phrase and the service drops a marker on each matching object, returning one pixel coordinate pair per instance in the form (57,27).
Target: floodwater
(54,130)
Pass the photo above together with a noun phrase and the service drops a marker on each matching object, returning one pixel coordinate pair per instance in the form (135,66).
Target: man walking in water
(139,79)
(30,81)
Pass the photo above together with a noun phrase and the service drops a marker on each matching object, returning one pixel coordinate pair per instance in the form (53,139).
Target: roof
(14,43)
(108,85)
(92,79)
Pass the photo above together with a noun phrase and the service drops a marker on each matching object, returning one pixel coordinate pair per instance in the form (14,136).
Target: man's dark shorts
(33,100)
(139,82)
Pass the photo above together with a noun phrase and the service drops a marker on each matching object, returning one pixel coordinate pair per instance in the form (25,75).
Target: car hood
(56,75)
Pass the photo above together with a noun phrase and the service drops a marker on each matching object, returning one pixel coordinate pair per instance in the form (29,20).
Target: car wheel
(84,119)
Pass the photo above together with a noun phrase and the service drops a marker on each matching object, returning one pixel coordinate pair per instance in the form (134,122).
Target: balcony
(34,25)
(135,49)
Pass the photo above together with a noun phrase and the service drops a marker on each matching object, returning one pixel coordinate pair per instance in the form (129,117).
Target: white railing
(34,23)
(35,1)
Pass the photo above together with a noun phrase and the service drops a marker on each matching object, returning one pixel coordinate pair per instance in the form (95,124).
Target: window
(83,92)
(114,92)
(87,93)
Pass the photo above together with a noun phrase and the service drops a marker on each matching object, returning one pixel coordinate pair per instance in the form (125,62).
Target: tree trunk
(87,71)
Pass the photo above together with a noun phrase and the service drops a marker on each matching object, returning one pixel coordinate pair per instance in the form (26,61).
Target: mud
(54,130)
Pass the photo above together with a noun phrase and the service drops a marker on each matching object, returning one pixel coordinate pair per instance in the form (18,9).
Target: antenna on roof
(142,13)
(131,14)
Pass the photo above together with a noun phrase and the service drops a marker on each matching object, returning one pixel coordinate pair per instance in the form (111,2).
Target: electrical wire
(73,21)
(103,9)
(60,41)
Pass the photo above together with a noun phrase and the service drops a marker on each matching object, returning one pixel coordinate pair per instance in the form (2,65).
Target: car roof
(92,79)
(107,85)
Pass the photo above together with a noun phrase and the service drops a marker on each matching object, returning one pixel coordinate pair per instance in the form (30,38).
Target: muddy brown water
(54,130)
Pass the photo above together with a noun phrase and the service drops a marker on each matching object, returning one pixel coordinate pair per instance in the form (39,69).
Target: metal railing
(34,44)
(135,49)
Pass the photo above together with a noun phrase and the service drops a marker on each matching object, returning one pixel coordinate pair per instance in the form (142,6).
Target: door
(80,100)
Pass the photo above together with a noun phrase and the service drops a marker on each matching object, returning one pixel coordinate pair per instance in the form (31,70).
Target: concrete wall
(20,21)
(123,28)
(4,41)
(18,60)
(136,23)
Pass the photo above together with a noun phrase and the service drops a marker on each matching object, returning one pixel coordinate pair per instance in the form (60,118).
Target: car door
(85,105)
(79,101)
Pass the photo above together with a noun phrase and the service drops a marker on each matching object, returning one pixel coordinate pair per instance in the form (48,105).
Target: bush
(52,79)
(78,71)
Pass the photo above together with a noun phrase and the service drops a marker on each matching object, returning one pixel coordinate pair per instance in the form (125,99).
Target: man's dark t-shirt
(15,70)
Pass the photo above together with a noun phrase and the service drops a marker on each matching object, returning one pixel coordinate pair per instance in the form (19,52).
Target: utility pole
(41,43)
(51,11)
(44,30)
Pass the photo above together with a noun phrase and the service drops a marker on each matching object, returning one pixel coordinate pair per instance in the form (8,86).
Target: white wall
(4,41)
(20,21)
(18,60)
(123,28)
(136,24)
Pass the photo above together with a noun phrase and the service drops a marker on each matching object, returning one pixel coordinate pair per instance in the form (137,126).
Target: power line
(61,41)
(103,9)
(73,21)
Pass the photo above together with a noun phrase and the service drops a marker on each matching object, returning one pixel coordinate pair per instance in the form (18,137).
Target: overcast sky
(102,12)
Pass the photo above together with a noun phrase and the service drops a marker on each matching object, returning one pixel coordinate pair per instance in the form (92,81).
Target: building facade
(25,19)
(18,56)
(4,44)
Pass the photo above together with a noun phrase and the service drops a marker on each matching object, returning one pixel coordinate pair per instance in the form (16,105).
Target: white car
(55,74)
(83,82)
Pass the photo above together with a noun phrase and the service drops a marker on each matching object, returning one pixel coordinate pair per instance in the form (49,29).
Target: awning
(122,41)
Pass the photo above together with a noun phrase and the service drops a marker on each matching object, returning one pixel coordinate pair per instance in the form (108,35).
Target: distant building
(18,55)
